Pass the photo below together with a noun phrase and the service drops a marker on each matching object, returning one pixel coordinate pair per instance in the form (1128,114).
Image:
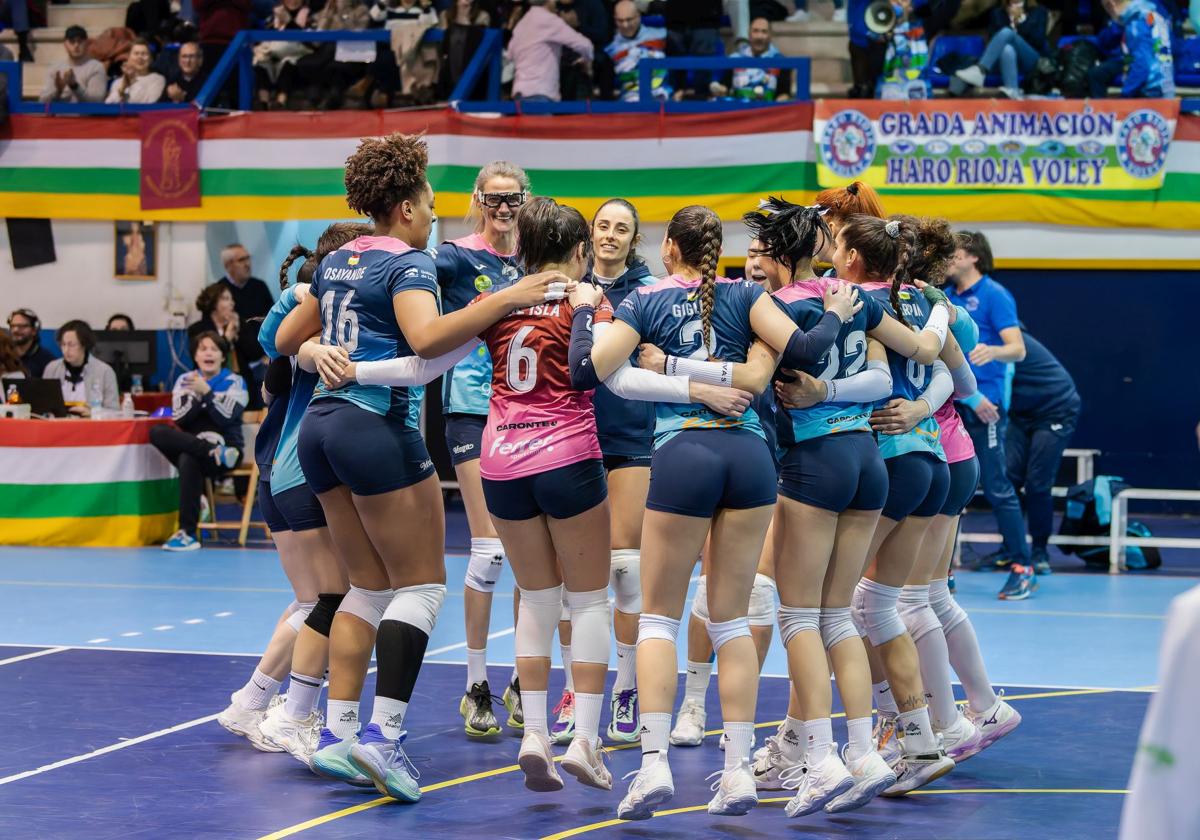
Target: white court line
(1069,613)
(460,645)
(84,585)
(34,655)
(141,739)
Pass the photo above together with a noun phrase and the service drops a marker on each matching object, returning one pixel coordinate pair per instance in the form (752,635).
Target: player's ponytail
(884,247)
(696,230)
(548,233)
(791,234)
(296,253)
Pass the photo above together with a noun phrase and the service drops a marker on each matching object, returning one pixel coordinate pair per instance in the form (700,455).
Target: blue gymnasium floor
(115,663)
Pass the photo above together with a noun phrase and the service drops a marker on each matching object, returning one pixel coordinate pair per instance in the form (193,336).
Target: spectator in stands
(693,29)
(464,23)
(137,85)
(535,50)
(218,21)
(274,60)
(119,322)
(23,326)
(633,42)
(218,315)
(252,300)
(1145,53)
(78,79)
(1018,40)
(985,415)
(752,84)
(206,440)
(85,378)
(906,58)
(594,20)
(575,75)
(186,79)
(1042,416)
(868,51)
(394,12)
(10,359)
(325,78)
(149,18)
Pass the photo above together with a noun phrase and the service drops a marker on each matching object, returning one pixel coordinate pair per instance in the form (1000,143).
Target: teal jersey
(909,379)
(285,472)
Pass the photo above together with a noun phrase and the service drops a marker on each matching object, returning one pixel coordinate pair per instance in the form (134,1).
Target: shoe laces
(794,777)
(404,761)
(566,704)
(625,702)
(480,694)
(637,773)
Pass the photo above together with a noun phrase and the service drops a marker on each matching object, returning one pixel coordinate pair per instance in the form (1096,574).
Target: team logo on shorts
(848,143)
(483,283)
(1142,143)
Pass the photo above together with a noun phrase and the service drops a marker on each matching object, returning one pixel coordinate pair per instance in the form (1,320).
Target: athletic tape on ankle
(652,626)
(297,618)
(536,621)
(762,602)
(795,620)
(625,577)
(367,604)
(836,626)
(590,629)
(721,633)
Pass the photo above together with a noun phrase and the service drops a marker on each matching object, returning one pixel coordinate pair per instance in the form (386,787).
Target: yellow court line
(512,768)
(586,829)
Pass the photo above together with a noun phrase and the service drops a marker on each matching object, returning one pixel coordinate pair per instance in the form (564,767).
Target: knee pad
(652,626)
(321,617)
(793,620)
(300,614)
(877,610)
(762,602)
(485,565)
(367,604)
(625,577)
(916,613)
(590,629)
(944,606)
(537,619)
(700,601)
(836,626)
(417,606)
(564,612)
(721,633)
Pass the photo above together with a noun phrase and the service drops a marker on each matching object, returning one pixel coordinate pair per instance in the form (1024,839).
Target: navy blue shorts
(835,472)
(620,462)
(271,513)
(301,508)
(964,479)
(464,437)
(559,493)
(341,443)
(700,471)
(917,485)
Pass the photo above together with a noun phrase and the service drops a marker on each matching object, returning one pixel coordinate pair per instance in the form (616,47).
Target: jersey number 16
(343,331)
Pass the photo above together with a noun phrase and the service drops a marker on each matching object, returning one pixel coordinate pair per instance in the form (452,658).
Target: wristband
(938,324)
(711,373)
(935,296)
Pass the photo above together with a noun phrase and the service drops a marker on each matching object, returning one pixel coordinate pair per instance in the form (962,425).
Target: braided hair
(885,246)
(696,230)
(790,233)
(332,238)
(296,253)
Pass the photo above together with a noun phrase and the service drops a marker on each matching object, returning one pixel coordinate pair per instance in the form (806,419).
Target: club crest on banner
(1142,143)
(848,143)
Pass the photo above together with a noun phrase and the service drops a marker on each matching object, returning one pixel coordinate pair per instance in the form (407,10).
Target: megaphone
(881,17)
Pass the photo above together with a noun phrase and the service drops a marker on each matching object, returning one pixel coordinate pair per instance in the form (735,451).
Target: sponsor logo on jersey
(532,424)
(521,448)
(1142,143)
(483,283)
(848,143)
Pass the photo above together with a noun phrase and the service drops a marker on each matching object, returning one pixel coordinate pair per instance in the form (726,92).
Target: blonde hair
(495,169)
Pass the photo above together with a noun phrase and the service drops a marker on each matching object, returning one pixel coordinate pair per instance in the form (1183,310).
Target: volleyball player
(484,260)
(362,452)
(708,472)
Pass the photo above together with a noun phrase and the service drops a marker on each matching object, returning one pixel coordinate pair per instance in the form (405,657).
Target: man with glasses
(78,79)
(185,79)
(251,300)
(23,326)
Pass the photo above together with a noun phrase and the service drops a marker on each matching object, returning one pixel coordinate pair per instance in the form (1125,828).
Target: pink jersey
(955,439)
(536,421)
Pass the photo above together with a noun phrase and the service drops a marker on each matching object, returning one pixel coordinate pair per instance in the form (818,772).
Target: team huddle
(796,434)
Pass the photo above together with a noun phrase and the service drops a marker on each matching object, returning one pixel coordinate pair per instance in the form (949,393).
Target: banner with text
(972,145)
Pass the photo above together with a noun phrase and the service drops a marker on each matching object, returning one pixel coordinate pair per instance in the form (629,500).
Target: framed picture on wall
(136,250)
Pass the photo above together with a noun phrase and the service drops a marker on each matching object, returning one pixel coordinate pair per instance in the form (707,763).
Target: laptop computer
(43,395)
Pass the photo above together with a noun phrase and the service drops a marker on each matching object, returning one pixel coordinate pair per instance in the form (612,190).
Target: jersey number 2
(343,332)
(521,369)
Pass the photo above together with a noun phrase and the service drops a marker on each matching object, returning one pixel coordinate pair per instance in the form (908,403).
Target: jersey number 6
(521,380)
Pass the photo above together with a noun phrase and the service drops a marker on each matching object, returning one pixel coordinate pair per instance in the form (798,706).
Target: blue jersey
(625,427)
(803,302)
(667,314)
(909,379)
(466,267)
(284,472)
(1041,387)
(993,309)
(354,287)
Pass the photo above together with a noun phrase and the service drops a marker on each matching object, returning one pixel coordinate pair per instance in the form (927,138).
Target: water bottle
(12,397)
(136,387)
(95,399)
(127,407)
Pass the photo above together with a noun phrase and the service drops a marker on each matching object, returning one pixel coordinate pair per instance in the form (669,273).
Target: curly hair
(934,249)
(385,171)
(632,258)
(548,232)
(206,301)
(696,230)
(840,203)
(790,233)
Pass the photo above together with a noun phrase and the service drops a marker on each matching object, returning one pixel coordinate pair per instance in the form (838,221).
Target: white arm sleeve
(938,323)
(710,373)
(874,383)
(940,387)
(964,381)
(410,370)
(633,383)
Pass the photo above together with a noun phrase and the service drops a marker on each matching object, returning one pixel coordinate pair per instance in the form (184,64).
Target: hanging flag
(170,170)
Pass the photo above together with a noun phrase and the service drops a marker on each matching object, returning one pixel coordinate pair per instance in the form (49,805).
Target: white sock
(858,736)
(565,652)
(626,667)
(935,674)
(256,694)
(739,736)
(512,679)
(884,701)
(792,740)
(695,685)
(476,667)
(916,731)
(967,660)
(302,695)
(341,718)
(587,716)
(533,703)
(819,734)
(388,715)
(656,735)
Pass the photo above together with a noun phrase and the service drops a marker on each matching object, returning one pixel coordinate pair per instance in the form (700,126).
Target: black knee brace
(321,617)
